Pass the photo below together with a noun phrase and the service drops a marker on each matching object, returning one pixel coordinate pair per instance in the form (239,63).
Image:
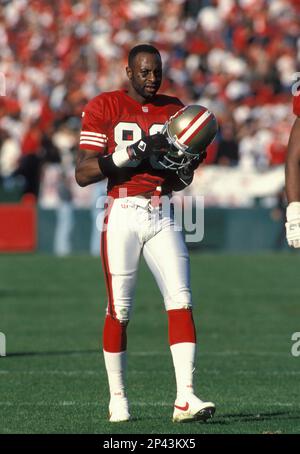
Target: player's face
(145,75)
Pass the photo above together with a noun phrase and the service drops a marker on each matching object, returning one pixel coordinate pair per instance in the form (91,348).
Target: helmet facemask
(178,155)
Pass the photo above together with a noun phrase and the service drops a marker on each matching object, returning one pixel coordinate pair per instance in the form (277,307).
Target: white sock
(115,364)
(183,355)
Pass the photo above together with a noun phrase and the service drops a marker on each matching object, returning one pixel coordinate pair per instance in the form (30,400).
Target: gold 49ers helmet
(189,132)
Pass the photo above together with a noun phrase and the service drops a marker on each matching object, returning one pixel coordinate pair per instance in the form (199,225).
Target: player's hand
(148,146)
(200,158)
(186,174)
(293,224)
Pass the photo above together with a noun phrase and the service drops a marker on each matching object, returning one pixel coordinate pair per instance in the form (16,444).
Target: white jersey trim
(91,142)
(95,139)
(96,134)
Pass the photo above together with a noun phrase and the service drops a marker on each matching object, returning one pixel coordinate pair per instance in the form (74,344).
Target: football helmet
(188,132)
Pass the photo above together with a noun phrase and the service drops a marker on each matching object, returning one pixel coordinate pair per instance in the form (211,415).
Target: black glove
(147,146)
(186,174)
(200,158)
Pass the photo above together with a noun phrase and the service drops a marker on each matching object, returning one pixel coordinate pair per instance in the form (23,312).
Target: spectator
(236,58)
(64,218)
(227,153)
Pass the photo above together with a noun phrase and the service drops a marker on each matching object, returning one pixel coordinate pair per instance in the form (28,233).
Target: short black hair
(141,48)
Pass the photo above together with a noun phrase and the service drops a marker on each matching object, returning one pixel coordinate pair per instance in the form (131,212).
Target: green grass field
(53,379)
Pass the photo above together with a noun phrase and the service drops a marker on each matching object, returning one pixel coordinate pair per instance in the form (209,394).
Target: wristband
(293,211)
(109,164)
(121,157)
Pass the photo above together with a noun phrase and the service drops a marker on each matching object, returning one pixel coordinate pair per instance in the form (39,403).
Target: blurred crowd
(235,57)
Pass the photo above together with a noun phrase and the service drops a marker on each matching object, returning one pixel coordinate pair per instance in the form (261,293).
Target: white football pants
(134,226)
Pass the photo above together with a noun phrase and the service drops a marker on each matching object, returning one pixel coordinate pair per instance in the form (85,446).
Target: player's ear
(129,72)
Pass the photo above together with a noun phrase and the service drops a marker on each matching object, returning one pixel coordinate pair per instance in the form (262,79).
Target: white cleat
(193,409)
(119,410)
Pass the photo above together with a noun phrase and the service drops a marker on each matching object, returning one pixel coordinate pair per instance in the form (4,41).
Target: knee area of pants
(174,306)
(122,315)
(181,301)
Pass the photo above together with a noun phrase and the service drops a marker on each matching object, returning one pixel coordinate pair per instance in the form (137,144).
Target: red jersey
(296,104)
(114,120)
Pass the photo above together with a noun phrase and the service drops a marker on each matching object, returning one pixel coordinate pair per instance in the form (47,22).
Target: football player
(292,179)
(121,140)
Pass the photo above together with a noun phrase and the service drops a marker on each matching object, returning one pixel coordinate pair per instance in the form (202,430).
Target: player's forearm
(88,172)
(292,186)
(292,168)
(92,167)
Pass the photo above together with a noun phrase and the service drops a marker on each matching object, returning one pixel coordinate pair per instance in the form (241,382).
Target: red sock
(114,335)
(181,326)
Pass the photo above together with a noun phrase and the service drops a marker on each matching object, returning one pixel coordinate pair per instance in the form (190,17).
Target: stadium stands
(237,58)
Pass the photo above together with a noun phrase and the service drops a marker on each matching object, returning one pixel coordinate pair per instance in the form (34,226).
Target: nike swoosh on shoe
(185,408)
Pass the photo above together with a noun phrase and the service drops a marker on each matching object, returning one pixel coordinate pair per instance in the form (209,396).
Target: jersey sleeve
(296,104)
(93,134)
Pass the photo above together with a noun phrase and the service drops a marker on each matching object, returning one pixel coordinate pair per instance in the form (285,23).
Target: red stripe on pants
(105,265)
(181,326)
